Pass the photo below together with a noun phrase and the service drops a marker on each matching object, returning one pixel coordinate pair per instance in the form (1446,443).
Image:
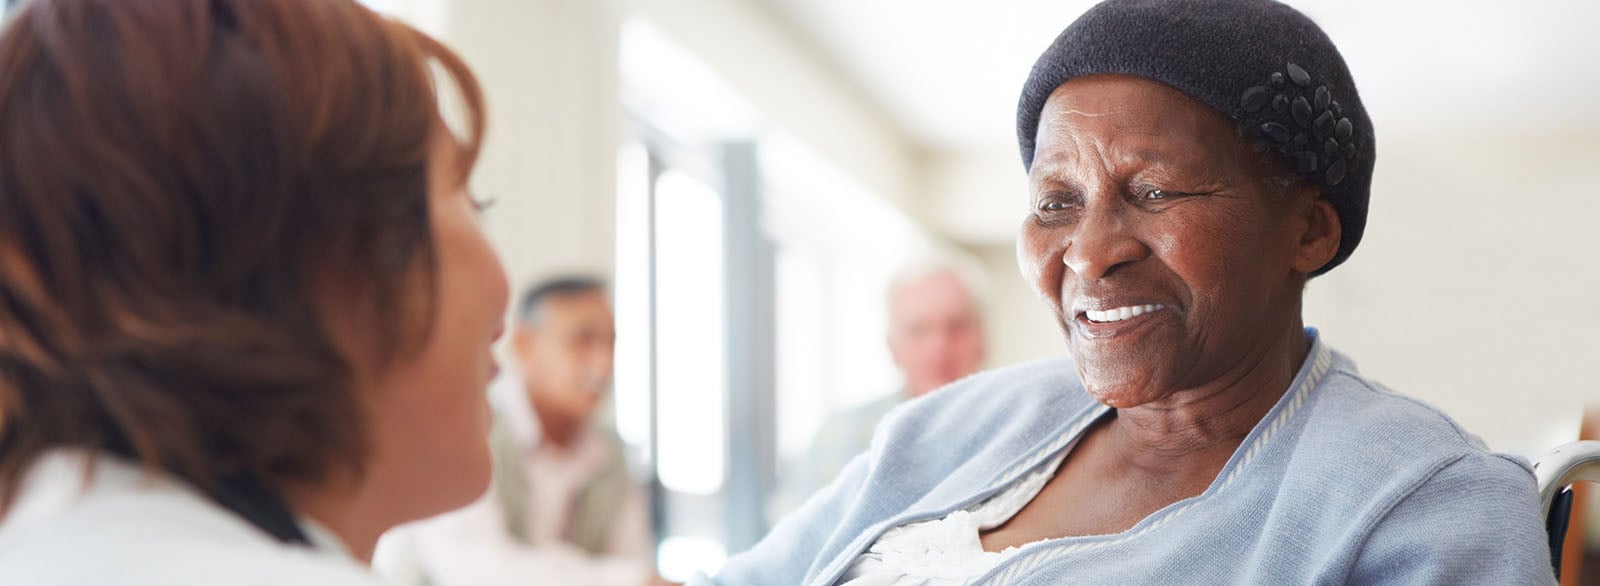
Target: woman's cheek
(1035,256)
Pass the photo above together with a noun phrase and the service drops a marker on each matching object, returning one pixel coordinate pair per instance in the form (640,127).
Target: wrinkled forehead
(1132,118)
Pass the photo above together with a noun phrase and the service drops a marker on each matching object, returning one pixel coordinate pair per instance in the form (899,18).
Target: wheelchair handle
(1565,465)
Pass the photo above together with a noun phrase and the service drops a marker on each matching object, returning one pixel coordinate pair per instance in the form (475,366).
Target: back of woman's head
(180,183)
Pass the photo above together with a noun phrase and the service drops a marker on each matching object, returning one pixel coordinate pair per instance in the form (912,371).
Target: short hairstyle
(179,179)
(533,299)
(966,272)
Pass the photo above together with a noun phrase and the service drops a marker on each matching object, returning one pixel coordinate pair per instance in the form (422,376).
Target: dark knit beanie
(1263,64)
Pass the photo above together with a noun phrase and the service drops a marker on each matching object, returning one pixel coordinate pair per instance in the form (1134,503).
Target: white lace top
(947,552)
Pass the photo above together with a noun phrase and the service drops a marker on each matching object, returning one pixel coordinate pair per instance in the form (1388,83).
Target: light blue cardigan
(1342,482)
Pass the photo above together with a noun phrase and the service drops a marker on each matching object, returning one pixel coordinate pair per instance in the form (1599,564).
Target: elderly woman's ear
(1319,231)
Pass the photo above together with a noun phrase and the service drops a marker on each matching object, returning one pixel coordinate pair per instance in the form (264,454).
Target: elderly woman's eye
(1054,203)
(1159,194)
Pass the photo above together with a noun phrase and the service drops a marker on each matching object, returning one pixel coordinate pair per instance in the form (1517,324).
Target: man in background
(936,336)
(563,508)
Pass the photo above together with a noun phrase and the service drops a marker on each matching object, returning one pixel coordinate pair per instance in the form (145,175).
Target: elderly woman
(246,306)
(1191,165)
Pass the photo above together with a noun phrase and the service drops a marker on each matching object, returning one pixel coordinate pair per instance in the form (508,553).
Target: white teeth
(1120,313)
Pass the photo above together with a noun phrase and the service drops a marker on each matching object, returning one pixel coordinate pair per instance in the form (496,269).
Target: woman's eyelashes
(1056,206)
(482,204)
(1150,193)
(1061,202)
(1156,198)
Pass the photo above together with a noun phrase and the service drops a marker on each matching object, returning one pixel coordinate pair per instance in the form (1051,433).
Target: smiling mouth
(1117,314)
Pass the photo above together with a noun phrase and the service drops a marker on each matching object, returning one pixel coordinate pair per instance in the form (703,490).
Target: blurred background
(750,173)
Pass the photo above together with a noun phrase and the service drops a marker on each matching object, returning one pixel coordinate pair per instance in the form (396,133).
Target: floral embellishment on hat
(1308,126)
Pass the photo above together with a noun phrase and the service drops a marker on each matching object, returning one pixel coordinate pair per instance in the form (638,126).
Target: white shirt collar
(323,538)
(509,396)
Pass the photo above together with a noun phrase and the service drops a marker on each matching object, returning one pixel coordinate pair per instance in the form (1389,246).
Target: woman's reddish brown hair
(177,177)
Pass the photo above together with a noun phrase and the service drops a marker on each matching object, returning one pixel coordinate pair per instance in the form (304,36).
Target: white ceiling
(948,71)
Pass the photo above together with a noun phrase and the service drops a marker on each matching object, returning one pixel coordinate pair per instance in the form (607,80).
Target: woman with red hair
(246,306)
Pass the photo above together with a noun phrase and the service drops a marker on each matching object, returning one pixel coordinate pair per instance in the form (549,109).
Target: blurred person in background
(247,303)
(1191,165)
(936,336)
(563,508)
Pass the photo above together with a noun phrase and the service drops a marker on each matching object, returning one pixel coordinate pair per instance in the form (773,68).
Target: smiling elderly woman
(1191,165)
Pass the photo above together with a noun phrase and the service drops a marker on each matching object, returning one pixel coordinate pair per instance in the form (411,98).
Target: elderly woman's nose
(1101,245)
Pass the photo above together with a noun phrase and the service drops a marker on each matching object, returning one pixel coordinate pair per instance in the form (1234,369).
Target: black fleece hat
(1263,64)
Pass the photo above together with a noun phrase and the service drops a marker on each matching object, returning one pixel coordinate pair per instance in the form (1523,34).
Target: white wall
(549,71)
(790,82)
(975,195)
(1477,287)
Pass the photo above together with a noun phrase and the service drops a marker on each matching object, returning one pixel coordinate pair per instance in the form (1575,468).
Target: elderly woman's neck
(1218,415)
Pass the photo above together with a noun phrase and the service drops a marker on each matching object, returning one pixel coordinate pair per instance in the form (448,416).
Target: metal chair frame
(1557,471)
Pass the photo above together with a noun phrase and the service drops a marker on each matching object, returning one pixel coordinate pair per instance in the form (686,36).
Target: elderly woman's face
(1154,237)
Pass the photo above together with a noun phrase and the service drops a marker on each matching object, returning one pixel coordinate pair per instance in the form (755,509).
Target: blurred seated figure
(563,508)
(246,303)
(936,336)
